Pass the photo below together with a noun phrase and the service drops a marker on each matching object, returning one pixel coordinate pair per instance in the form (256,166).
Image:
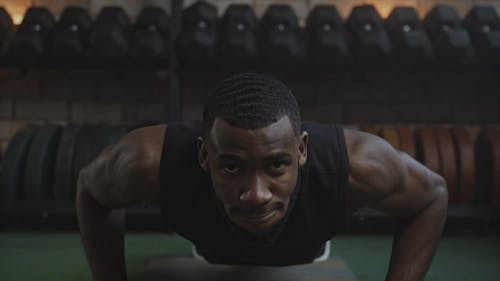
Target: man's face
(254,172)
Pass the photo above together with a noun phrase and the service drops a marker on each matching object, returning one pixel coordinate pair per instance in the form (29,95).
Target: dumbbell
(327,42)
(69,39)
(198,38)
(6,26)
(29,44)
(450,41)
(237,44)
(411,44)
(109,39)
(371,44)
(150,37)
(280,42)
(483,24)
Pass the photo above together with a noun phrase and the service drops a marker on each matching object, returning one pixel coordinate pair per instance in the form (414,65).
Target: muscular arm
(391,181)
(124,174)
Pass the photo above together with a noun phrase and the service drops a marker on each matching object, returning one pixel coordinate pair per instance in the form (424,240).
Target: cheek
(225,190)
(283,186)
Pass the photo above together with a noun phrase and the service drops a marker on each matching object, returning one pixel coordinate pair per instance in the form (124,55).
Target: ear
(303,140)
(202,153)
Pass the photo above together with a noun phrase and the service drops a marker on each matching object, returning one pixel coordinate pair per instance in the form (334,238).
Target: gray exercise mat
(170,268)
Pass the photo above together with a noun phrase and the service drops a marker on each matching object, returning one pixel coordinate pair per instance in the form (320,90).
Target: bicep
(388,180)
(122,175)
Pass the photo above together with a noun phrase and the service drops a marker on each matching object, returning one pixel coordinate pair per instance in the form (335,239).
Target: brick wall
(53,96)
(386,98)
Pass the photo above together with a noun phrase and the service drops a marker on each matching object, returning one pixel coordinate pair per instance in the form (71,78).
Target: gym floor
(59,256)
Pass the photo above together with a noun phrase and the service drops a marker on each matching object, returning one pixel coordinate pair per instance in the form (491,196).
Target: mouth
(258,220)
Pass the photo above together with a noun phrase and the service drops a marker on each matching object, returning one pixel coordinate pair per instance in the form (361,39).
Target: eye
(278,166)
(231,169)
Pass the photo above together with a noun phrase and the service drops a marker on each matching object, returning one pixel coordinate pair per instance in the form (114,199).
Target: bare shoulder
(146,142)
(384,178)
(127,172)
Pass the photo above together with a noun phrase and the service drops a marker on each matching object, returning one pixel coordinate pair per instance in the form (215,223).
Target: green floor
(42,256)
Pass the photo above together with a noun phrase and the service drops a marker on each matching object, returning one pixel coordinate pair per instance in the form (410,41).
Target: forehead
(224,136)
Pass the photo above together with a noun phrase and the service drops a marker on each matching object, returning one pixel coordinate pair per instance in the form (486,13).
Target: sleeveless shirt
(188,206)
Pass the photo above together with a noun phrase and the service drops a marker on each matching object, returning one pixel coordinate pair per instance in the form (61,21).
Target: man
(255,186)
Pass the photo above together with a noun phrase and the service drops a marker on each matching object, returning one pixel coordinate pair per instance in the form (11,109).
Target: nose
(257,192)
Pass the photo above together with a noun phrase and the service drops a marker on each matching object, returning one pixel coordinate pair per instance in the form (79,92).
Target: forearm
(416,241)
(102,232)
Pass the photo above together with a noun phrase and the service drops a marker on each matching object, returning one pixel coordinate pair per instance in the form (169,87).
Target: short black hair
(251,101)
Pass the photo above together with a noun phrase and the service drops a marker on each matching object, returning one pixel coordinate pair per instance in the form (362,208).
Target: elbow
(440,193)
(82,190)
(82,184)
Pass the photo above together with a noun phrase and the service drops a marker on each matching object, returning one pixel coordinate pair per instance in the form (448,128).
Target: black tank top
(189,209)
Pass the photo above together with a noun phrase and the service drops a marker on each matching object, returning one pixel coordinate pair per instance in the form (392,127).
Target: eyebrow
(274,156)
(229,157)
(278,156)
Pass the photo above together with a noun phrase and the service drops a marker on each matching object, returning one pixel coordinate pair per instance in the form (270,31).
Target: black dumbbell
(237,40)
(150,36)
(483,24)
(370,41)
(29,44)
(327,42)
(411,44)
(451,43)
(280,36)
(198,38)
(109,39)
(6,26)
(69,39)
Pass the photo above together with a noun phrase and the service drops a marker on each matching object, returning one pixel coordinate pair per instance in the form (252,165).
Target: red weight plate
(369,129)
(464,151)
(427,149)
(391,136)
(407,141)
(448,162)
(488,165)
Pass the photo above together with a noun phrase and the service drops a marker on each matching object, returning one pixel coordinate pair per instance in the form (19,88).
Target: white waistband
(323,257)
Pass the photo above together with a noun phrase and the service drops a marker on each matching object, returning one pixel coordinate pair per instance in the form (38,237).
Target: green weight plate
(85,143)
(90,140)
(14,163)
(63,170)
(39,169)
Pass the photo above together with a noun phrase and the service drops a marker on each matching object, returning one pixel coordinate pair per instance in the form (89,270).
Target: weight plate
(90,141)
(488,165)
(14,163)
(391,136)
(63,170)
(38,177)
(464,151)
(407,141)
(369,129)
(427,150)
(448,162)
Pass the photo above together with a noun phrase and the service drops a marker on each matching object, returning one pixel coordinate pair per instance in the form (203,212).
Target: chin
(257,230)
